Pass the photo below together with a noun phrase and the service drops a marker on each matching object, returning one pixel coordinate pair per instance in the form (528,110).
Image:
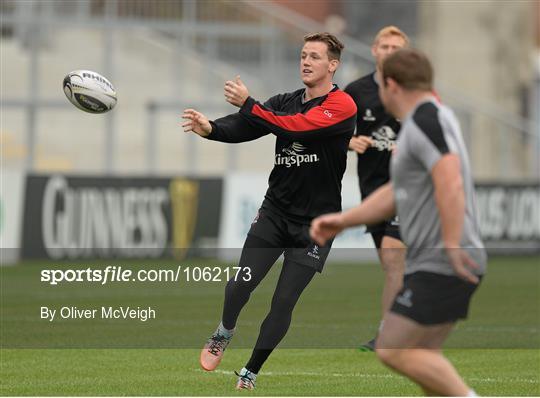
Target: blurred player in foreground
(431,190)
(374,140)
(313,127)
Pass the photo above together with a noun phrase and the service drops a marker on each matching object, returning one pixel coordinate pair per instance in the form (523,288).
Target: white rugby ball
(89,91)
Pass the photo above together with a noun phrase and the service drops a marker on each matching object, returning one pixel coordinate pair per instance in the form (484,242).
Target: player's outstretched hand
(360,143)
(463,264)
(325,227)
(196,122)
(236,92)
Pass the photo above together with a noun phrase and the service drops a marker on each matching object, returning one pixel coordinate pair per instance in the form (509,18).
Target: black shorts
(386,228)
(292,236)
(432,299)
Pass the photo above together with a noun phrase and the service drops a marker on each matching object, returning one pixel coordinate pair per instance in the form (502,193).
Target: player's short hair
(391,31)
(410,68)
(334,45)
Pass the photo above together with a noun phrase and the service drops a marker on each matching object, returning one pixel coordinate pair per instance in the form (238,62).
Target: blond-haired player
(376,133)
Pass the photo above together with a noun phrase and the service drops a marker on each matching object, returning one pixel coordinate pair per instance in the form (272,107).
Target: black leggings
(259,256)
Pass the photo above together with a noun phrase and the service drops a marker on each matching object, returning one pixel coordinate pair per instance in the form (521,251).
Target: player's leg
(392,256)
(257,258)
(391,251)
(413,350)
(293,280)
(261,250)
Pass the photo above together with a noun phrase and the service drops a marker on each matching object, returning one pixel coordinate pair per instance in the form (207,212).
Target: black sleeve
(235,128)
(336,115)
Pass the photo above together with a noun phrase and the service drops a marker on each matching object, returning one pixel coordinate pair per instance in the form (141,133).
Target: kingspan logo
(384,139)
(292,156)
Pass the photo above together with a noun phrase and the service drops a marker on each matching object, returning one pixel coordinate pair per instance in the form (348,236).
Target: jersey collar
(334,88)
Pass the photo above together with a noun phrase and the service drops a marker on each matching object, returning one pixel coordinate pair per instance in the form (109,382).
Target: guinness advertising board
(71,217)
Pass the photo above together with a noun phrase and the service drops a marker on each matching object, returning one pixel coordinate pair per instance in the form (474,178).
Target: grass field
(496,350)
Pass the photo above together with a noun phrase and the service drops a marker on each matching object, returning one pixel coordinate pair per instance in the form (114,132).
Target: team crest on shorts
(405,298)
(314,252)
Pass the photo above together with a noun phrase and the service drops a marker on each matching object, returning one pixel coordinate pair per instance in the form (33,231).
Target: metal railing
(212,35)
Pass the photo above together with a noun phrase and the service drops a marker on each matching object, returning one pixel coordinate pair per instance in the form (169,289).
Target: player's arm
(378,206)
(335,116)
(235,128)
(449,197)
(431,149)
(360,143)
(450,201)
(232,129)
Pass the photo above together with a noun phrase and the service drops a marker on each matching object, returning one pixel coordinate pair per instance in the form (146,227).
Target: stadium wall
(496,68)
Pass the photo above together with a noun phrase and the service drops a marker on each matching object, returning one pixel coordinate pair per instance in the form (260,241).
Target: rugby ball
(89,91)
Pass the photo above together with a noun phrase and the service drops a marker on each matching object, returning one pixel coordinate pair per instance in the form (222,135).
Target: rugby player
(374,139)
(432,192)
(313,127)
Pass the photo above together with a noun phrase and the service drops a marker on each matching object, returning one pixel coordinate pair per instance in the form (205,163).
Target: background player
(313,127)
(376,133)
(433,194)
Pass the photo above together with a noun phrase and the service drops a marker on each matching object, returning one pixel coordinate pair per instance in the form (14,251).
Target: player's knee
(284,302)
(383,354)
(389,356)
(236,288)
(394,280)
(393,264)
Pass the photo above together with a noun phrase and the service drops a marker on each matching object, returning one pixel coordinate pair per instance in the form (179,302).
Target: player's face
(315,67)
(385,46)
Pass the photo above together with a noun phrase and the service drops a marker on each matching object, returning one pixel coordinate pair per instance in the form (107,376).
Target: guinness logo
(184,202)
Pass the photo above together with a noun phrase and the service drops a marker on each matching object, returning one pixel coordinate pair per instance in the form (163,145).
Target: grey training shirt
(427,133)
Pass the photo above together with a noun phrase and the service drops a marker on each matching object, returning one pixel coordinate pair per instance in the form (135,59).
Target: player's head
(403,72)
(388,40)
(319,58)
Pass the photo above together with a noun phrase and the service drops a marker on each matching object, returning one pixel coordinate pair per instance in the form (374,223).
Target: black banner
(509,215)
(78,217)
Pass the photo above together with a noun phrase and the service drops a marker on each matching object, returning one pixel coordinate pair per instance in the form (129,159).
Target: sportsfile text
(113,273)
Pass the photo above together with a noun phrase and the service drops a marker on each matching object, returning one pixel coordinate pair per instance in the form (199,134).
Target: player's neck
(318,90)
(378,76)
(410,102)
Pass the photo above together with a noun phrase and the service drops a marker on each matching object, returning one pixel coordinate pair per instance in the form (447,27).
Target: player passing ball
(431,190)
(312,126)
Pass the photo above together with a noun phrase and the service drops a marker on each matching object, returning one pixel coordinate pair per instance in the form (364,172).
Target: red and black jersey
(373,121)
(312,139)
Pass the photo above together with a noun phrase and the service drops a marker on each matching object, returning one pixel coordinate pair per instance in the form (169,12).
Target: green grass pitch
(496,350)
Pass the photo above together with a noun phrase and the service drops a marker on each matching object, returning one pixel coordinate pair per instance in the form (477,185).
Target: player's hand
(196,122)
(325,227)
(462,264)
(360,143)
(236,92)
